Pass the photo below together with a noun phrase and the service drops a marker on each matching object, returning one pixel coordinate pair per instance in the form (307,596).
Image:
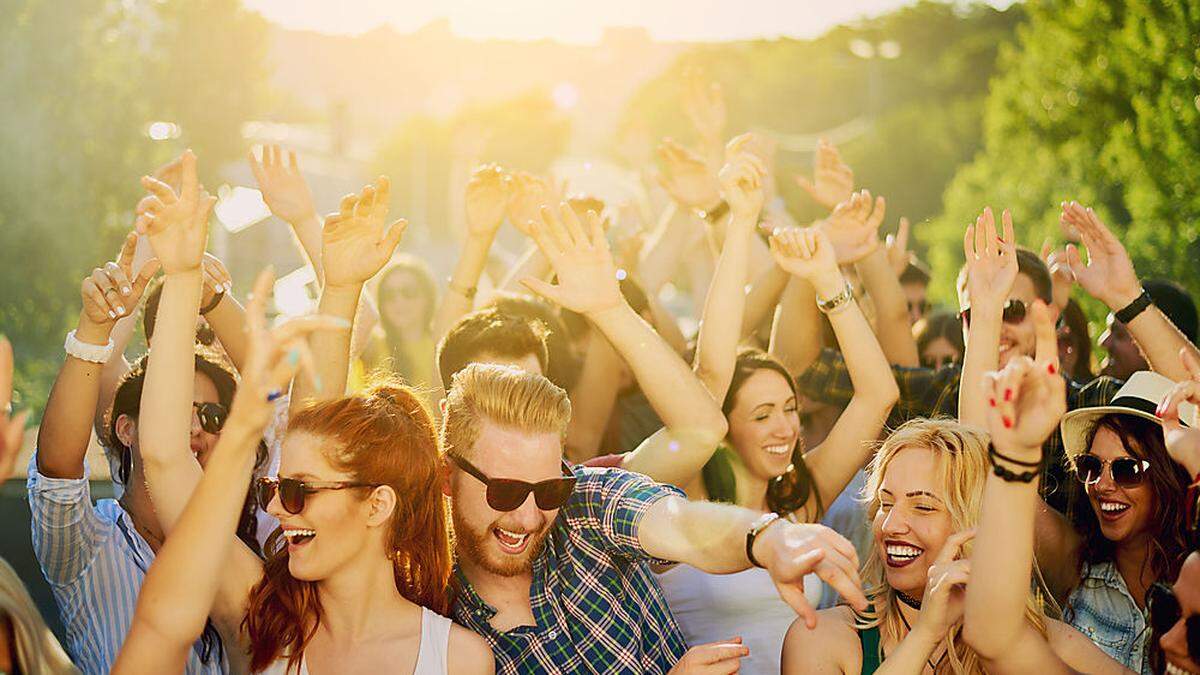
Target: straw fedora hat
(1139,397)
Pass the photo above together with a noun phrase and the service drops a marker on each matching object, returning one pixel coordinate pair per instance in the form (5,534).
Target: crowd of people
(540,471)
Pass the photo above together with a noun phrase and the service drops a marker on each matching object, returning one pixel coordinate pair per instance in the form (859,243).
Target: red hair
(384,436)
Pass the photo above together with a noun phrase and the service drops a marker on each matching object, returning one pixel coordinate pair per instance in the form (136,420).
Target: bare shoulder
(1078,652)
(832,647)
(469,652)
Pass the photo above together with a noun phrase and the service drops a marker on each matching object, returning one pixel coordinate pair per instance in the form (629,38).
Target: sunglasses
(507,494)
(1165,612)
(920,307)
(292,492)
(212,416)
(1014,312)
(1125,471)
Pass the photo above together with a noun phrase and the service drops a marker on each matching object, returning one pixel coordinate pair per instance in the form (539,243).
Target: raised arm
(222,311)
(721,324)
(356,243)
(713,537)
(12,428)
(882,284)
(833,180)
(181,586)
(109,294)
(808,254)
(1183,442)
(1109,276)
(587,284)
(487,199)
(991,272)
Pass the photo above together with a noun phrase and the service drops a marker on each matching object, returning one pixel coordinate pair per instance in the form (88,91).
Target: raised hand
(687,177)
(945,590)
(357,242)
(527,194)
(216,279)
(273,356)
(12,429)
(833,180)
(1061,275)
(742,180)
(487,200)
(791,551)
(853,227)
(176,223)
(1181,424)
(713,658)
(579,254)
(282,185)
(704,105)
(897,248)
(1028,397)
(991,262)
(113,291)
(807,253)
(1108,275)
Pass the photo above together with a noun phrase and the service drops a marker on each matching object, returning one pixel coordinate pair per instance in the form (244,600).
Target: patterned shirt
(925,392)
(95,560)
(597,606)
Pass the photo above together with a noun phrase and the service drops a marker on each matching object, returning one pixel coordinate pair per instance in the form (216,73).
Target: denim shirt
(1102,609)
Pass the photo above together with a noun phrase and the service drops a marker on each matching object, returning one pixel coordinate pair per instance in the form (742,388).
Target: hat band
(1139,404)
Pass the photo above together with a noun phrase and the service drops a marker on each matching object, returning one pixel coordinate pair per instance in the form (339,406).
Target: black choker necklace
(909,600)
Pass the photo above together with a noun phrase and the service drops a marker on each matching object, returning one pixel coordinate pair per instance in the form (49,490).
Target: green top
(870,650)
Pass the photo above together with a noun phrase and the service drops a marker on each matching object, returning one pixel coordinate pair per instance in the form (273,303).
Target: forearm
(720,325)
(531,264)
(869,370)
(364,325)
(796,331)
(891,310)
(307,231)
(165,418)
(663,253)
(994,617)
(706,535)
(910,656)
(765,293)
(455,302)
(593,399)
(1160,342)
(674,392)
(666,325)
(66,427)
(330,348)
(982,355)
(114,369)
(228,321)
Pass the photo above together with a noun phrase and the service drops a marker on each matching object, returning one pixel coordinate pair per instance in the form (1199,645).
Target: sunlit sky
(581,21)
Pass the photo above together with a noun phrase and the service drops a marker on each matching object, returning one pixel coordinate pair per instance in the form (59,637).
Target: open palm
(176,224)
(356,242)
(579,254)
(991,261)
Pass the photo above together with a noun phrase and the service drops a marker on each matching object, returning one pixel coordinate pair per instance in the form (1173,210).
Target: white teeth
(777,449)
(1111,507)
(520,538)
(1173,669)
(299,533)
(899,551)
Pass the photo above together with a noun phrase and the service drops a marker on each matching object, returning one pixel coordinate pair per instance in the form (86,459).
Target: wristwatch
(756,529)
(1131,311)
(88,352)
(838,301)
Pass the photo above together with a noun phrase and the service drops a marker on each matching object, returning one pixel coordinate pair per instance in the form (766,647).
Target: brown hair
(385,436)
(490,331)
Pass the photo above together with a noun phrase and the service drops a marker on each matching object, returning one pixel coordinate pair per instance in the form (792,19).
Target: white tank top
(431,659)
(716,607)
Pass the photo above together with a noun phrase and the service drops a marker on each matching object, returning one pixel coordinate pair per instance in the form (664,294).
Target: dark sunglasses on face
(507,494)
(1165,612)
(212,416)
(292,492)
(1014,312)
(920,307)
(1125,471)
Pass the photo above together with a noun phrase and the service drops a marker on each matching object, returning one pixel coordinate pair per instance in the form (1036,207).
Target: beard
(476,545)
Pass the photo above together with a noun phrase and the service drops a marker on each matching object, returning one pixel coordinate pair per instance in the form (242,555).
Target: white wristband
(88,352)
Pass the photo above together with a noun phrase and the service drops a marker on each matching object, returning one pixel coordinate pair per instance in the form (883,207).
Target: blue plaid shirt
(597,605)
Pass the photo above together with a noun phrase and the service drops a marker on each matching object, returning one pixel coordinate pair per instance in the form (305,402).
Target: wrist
(763,535)
(93,333)
(1121,299)
(189,273)
(827,284)
(924,636)
(609,313)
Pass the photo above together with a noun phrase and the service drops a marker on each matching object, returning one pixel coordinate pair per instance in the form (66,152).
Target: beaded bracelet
(1010,476)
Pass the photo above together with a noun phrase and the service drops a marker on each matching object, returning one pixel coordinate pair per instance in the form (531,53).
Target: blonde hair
(505,395)
(962,470)
(37,650)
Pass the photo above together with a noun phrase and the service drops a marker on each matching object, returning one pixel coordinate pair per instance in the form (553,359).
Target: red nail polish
(1008,423)
(992,402)
(1052,368)
(1008,394)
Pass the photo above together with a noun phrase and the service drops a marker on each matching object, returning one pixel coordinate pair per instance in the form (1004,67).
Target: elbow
(989,641)
(713,428)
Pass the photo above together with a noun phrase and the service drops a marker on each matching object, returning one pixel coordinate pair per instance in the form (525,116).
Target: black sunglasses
(292,492)
(212,416)
(1014,312)
(921,307)
(1165,612)
(1125,471)
(507,494)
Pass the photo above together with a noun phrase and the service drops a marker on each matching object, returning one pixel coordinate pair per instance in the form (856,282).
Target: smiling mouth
(901,554)
(781,450)
(511,542)
(1173,669)
(297,537)
(1111,510)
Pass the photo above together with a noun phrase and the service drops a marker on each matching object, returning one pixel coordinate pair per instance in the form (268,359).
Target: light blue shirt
(94,560)
(1102,609)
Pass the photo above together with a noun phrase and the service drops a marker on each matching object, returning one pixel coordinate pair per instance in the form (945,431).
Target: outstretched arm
(587,284)
(1109,276)
(808,254)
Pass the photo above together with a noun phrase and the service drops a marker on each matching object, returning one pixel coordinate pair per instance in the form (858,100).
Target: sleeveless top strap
(869,638)
(435,643)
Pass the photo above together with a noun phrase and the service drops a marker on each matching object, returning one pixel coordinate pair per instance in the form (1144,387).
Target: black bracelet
(212,304)
(1010,476)
(764,521)
(993,452)
(1132,310)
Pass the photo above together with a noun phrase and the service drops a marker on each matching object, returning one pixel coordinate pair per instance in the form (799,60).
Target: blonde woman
(925,489)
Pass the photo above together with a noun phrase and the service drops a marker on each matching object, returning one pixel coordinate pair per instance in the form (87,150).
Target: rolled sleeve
(66,531)
(608,507)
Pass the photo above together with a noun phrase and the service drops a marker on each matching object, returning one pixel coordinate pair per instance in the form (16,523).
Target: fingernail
(1008,394)
(1052,368)
(125,290)
(112,314)
(1008,423)
(293,357)
(992,402)
(120,310)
